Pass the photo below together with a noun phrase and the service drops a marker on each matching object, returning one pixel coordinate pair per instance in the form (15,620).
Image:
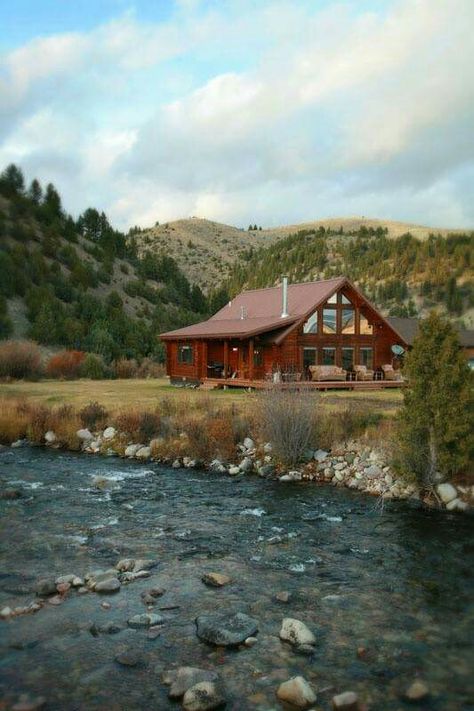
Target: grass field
(117,394)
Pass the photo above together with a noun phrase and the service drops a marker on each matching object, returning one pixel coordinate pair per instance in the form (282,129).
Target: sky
(243,111)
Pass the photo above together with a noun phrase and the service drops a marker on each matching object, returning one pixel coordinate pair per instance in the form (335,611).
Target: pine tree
(35,192)
(436,423)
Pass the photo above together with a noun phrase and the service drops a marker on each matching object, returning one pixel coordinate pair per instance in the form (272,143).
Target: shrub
(139,426)
(149,368)
(66,364)
(93,415)
(125,368)
(92,367)
(287,418)
(19,359)
(13,422)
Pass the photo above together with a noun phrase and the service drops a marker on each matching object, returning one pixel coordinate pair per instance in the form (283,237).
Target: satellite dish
(398,350)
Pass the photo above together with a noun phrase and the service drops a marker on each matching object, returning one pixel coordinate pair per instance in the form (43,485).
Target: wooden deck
(218,383)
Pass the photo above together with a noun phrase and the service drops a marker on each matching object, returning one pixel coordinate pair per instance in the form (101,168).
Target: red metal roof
(259,311)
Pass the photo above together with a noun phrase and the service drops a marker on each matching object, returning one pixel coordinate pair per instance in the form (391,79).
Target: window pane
(367,357)
(348,358)
(345,300)
(311,325)
(365,326)
(329,320)
(329,356)
(332,299)
(258,357)
(309,357)
(185,354)
(348,322)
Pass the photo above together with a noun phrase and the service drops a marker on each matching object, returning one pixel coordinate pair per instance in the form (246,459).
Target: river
(394,583)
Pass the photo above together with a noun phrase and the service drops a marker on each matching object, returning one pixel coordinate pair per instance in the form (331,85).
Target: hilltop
(207,251)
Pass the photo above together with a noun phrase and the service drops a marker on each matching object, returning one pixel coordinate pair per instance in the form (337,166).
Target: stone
(146,619)
(297,692)
(417,691)
(109,433)
(283,596)
(62,588)
(339,466)
(65,579)
(233,470)
(5,612)
(128,658)
(143,453)
(50,437)
(320,455)
(132,449)
(251,641)
(85,435)
(347,701)
(19,443)
(204,696)
(156,592)
(249,443)
(215,580)
(246,465)
(187,677)
(266,470)
(226,630)
(105,605)
(142,564)
(291,476)
(446,492)
(176,464)
(457,505)
(46,586)
(125,564)
(296,632)
(268,448)
(107,586)
(373,471)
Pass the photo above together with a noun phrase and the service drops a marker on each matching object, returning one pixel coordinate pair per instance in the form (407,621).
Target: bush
(288,418)
(149,368)
(19,359)
(93,415)
(66,364)
(139,426)
(125,368)
(92,367)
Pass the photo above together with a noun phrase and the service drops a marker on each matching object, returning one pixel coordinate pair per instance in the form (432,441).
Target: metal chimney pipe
(284,285)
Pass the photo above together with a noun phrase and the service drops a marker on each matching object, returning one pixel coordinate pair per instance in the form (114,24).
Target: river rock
(65,579)
(249,443)
(11,494)
(296,632)
(25,703)
(5,613)
(283,596)
(50,437)
(266,470)
(146,619)
(297,692)
(143,453)
(46,586)
(347,701)
(204,696)
(320,455)
(109,433)
(251,641)
(109,585)
(457,505)
(234,470)
(215,580)
(373,472)
(417,691)
(85,435)
(132,449)
(128,658)
(226,630)
(125,564)
(246,465)
(187,677)
(446,492)
(291,476)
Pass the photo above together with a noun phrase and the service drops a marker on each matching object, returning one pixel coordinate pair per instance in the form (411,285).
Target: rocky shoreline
(353,464)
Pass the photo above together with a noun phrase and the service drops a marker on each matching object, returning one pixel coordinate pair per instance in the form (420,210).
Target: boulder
(132,449)
(266,470)
(347,701)
(246,465)
(225,629)
(291,476)
(233,470)
(50,437)
(249,443)
(215,580)
(268,448)
(85,435)
(109,585)
(217,466)
(446,492)
(204,696)
(109,433)
(417,691)
(176,464)
(296,692)
(187,677)
(296,632)
(320,455)
(46,586)
(143,453)
(457,505)
(373,471)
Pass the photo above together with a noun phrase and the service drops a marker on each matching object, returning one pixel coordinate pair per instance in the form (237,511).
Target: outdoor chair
(362,373)
(389,372)
(327,372)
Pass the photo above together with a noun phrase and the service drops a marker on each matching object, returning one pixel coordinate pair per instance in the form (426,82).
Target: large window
(257,357)
(367,357)
(185,354)
(309,357)
(333,299)
(311,325)
(365,328)
(347,358)
(329,356)
(329,320)
(344,299)
(347,321)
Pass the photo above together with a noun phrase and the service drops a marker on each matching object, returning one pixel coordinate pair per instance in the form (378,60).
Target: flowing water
(397,582)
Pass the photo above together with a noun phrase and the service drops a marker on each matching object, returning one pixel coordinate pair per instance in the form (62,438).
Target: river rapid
(387,592)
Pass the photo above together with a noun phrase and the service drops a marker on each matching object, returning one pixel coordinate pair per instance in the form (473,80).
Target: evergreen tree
(436,423)
(44,328)
(6,325)
(35,192)
(12,182)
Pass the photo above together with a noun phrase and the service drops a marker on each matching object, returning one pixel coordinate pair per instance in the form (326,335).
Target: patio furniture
(362,373)
(327,372)
(389,372)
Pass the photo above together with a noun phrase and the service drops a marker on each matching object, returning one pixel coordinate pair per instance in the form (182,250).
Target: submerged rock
(45,587)
(347,701)
(297,692)
(128,658)
(187,677)
(417,691)
(110,585)
(215,580)
(226,630)
(296,632)
(283,596)
(146,619)
(204,696)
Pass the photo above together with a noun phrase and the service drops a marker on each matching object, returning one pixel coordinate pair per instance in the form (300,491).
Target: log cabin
(325,333)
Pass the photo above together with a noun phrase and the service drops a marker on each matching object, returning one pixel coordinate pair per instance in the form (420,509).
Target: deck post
(226,358)
(251,359)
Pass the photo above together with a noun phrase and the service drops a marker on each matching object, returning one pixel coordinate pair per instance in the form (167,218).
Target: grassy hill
(81,284)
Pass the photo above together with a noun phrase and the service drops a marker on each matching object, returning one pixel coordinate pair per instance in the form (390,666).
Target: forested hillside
(404,276)
(80,283)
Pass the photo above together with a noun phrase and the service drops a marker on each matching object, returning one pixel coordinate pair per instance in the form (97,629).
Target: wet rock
(147,599)
(296,632)
(283,596)
(6,612)
(185,678)
(105,605)
(11,494)
(457,505)
(156,592)
(56,600)
(347,701)
(110,628)
(417,691)
(305,650)
(297,692)
(50,437)
(128,658)
(446,492)
(266,470)
(105,584)
(130,577)
(146,619)
(62,588)
(246,465)
(226,630)
(233,471)
(215,580)
(65,579)
(27,704)
(125,564)
(142,564)
(143,453)
(19,443)
(109,433)
(132,449)
(176,464)
(251,641)
(154,632)
(204,696)
(45,587)
(291,476)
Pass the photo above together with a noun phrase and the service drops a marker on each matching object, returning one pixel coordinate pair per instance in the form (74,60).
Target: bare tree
(288,419)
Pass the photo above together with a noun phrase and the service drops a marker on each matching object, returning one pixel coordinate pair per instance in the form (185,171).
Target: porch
(236,382)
